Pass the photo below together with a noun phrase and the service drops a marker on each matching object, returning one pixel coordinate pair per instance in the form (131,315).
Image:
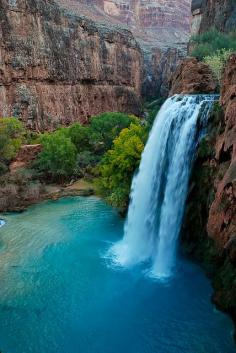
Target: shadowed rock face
(222,216)
(56,68)
(192,76)
(218,13)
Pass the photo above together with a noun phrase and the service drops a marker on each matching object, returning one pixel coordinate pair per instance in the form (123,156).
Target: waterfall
(159,188)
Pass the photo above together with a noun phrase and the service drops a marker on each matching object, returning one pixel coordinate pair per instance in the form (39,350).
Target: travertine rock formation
(56,67)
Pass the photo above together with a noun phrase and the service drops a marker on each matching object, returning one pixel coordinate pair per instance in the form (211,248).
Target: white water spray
(160,187)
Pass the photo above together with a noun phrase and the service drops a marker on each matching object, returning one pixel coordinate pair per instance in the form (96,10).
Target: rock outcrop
(215,13)
(57,67)
(25,156)
(192,76)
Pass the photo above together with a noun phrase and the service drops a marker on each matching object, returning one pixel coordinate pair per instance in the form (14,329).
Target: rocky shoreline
(55,192)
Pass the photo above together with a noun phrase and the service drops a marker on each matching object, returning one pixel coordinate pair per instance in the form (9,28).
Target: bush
(208,43)
(58,157)
(217,62)
(118,165)
(11,137)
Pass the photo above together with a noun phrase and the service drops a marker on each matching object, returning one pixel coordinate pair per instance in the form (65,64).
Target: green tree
(107,127)
(58,157)
(12,135)
(80,136)
(118,165)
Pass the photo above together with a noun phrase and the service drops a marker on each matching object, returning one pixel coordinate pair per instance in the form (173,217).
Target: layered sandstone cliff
(161,27)
(168,18)
(56,67)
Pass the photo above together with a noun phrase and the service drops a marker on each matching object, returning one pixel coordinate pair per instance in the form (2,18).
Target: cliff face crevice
(56,68)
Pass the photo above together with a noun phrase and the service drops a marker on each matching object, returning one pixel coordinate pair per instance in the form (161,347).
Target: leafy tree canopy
(119,163)
(58,157)
(12,135)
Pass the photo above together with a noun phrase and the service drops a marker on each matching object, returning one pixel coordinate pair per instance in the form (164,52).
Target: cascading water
(160,187)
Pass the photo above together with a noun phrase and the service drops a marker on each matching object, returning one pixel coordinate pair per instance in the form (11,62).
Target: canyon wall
(209,231)
(171,15)
(215,13)
(57,67)
(161,27)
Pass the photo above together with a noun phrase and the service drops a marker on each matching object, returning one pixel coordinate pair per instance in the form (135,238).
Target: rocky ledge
(56,67)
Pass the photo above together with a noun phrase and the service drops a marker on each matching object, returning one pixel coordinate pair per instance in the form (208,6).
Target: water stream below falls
(60,294)
(160,187)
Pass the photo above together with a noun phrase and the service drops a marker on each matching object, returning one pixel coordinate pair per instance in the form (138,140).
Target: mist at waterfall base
(60,294)
(160,187)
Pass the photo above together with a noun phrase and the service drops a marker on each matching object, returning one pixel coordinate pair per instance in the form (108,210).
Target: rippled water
(59,293)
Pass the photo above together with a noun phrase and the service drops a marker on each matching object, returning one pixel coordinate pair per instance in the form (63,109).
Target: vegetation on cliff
(214,48)
(209,42)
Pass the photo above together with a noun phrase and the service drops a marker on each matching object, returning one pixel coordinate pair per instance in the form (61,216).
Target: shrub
(11,137)
(118,165)
(217,61)
(209,42)
(58,157)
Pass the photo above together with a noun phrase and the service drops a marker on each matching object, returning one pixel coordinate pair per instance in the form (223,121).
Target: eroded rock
(192,76)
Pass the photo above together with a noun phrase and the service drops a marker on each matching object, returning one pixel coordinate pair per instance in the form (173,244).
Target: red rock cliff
(209,231)
(222,216)
(56,67)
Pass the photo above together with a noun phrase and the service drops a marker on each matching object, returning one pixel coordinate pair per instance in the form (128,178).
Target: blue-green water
(60,294)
